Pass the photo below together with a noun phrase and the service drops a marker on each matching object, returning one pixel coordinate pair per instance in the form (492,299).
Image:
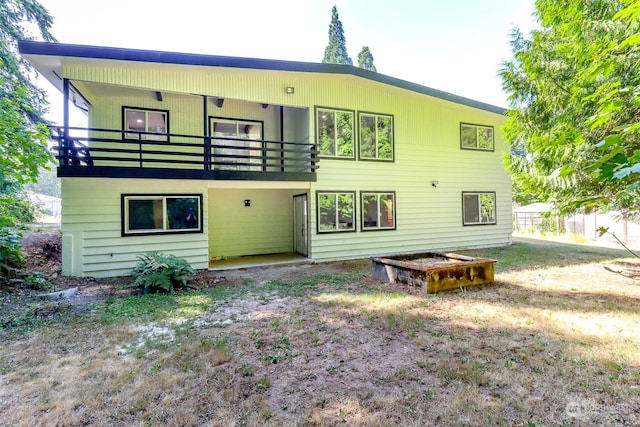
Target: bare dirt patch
(554,342)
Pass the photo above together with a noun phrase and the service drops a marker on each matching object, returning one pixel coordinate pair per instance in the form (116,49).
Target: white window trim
(249,145)
(154,136)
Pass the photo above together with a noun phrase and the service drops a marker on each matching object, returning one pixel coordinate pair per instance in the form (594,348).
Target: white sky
(452,45)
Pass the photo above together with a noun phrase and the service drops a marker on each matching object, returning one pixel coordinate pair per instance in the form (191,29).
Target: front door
(300,225)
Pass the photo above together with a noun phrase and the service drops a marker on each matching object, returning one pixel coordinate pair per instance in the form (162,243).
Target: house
(49,205)
(210,157)
(530,217)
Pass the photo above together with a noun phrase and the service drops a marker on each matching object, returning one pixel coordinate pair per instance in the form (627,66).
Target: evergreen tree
(15,17)
(23,132)
(336,50)
(365,59)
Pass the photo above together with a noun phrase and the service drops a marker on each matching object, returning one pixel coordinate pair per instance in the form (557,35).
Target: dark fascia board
(28,47)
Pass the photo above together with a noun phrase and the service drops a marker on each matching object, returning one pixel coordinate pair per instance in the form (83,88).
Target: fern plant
(157,272)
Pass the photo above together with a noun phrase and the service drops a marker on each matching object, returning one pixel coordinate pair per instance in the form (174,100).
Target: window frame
(318,214)
(259,166)
(478,127)
(164,137)
(317,109)
(393,143)
(378,227)
(124,213)
(479,222)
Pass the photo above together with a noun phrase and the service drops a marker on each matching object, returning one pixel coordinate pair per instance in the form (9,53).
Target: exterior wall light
(434,183)
(290,90)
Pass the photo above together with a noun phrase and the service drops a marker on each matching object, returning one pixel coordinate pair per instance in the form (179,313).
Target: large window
(378,211)
(335,133)
(145,124)
(478,208)
(151,214)
(476,137)
(336,212)
(237,144)
(376,136)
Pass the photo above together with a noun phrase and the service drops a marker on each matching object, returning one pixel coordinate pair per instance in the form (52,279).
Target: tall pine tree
(336,50)
(365,59)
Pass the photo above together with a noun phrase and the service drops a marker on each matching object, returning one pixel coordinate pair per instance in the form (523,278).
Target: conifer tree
(365,59)
(336,50)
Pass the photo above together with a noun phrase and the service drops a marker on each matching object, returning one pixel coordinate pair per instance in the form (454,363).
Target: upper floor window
(476,137)
(478,208)
(336,211)
(376,136)
(378,211)
(145,124)
(335,133)
(237,144)
(151,214)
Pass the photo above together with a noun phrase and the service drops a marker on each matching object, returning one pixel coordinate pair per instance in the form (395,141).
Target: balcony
(110,153)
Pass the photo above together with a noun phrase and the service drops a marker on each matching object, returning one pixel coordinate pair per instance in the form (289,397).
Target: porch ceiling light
(219,102)
(265,106)
(290,90)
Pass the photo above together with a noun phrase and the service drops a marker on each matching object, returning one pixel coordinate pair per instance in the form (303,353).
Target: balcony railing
(116,153)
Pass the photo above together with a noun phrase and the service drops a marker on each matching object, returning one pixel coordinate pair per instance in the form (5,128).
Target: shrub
(10,250)
(15,209)
(38,282)
(157,272)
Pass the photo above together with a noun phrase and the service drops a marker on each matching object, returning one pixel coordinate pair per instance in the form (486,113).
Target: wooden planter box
(433,271)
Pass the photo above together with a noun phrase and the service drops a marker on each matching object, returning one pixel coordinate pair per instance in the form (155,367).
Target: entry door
(300,225)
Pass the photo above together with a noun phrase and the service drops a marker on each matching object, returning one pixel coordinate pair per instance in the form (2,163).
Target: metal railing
(94,147)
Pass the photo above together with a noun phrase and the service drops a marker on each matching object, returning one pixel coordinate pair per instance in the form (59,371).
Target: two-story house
(210,157)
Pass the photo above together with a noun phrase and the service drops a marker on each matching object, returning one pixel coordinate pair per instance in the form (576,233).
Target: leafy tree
(575,105)
(23,144)
(23,132)
(336,50)
(365,59)
(48,182)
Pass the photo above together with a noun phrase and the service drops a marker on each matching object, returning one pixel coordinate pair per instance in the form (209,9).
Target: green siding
(427,147)
(92,242)
(265,227)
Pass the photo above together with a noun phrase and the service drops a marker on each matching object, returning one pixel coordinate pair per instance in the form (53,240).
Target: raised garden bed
(433,271)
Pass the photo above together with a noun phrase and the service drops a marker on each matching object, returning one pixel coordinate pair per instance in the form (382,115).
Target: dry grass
(555,342)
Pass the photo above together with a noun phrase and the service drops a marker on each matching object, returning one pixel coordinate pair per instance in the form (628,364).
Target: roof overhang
(47,59)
